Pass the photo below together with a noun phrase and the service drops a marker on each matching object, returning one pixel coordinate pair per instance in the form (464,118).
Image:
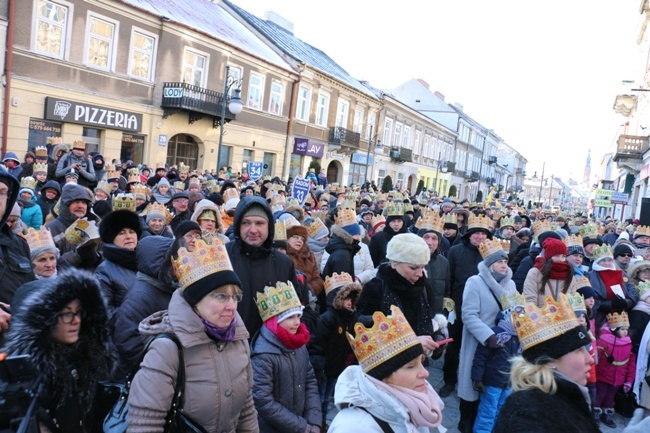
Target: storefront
(360,164)
(304,150)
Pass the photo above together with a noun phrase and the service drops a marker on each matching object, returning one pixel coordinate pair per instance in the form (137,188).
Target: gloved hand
(618,303)
(439,322)
(492,342)
(627,386)
(478,386)
(638,424)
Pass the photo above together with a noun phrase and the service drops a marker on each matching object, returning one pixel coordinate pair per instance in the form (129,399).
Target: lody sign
(92,115)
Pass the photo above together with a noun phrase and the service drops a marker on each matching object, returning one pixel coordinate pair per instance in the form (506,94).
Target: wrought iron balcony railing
(344,137)
(197,100)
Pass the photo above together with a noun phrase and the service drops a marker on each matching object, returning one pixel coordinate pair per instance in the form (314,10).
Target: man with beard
(394,225)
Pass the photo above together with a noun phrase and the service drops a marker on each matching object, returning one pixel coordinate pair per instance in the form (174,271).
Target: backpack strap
(385,427)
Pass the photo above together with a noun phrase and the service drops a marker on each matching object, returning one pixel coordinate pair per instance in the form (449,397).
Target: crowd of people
(282,307)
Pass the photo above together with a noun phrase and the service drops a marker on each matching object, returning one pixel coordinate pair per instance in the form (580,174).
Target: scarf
(425,409)
(54,275)
(578,271)
(559,270)
(121,256)
(316,246)
(221,334)
(497,276)
(291,341)
(508,332)
(162,198)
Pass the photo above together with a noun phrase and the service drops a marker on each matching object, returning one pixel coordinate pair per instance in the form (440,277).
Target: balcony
(344,137)
(471,176)
(629,152)
(492,160)
(401,154)
(197,101)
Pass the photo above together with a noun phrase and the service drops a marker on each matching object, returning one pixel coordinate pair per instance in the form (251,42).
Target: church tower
(587,174)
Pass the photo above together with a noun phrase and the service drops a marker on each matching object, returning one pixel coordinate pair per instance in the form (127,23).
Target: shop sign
(620,198)
(334,155)
(302,146)
(92,115)
(362,158)
(602,203)
(604,193)
(53,128)
(173,92)
(133,138)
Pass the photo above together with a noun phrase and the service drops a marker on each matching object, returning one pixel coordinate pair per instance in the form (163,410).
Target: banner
(255,170)
(300,189)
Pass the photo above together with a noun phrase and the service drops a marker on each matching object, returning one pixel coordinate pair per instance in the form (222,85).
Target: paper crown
(134,176)
(205,260)
(577,302)
(140,189)
(182,168)
(448,304)
(505,244)
(280,231)
(507,222)
(40,167)
(378,220)
(292,202)
(277,299)
(315,226)
(573,241)
(537,325)
(160,209)
(642,231)
(320,214)
(54,140)
(336,280)
(602,251)
(40,152)
(109,167)
(618,320)
(451,218)
(489,247)
(28,182)
(430,221)
(345,217)
(81,232)
(79,144)
(541,227)
(230,193)
(39,239)
(511,300)
(388,337)
(589,231)
(179,185)
(381,197)
(579,282)
(408,208)
(112,175)
(349,204)
(394,209)
(124,201)
(479,222)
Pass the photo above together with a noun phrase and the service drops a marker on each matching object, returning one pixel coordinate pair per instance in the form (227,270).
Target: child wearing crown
(616,365)
(284,388)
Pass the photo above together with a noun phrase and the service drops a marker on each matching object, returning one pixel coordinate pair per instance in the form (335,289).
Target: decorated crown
(109,167)
(40,167)
(277,299)
(336,280)
(541,227)
(430,221)
(643,288)
(408,208)
(140,189)
(112,174)
(315,226)
(81,232)
(345,217)
(618,320)
(179,185)
(182,168)
(124,201)
(489,247)
(280,231)
(388,337)
(54,140)
(230,193)
(448,304)
(161,209)
(39,239)
(573,241)
(320,214)
(40,152)
(579,282)
(381,197)
(378,219)
(134,176)
(349,204)
(395,209)
(505,244)
(79,144)
(511,300)
(589,231)
(205,260)
(507,221)
(577,302)
(292,202)
(479,222)
(537,325)
(642,231)
(602,251)
(28,182)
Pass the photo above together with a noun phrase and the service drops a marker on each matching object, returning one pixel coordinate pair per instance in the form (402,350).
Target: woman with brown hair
(302,257)
(551,274)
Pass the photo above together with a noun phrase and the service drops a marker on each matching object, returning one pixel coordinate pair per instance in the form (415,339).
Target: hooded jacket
(439,280)
(31,215)
(69,373)
(257,267)
(86,176)
(45,204)
(341,248)
(304,260)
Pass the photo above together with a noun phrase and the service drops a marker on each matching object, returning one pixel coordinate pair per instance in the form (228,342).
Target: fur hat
(116,221)
(408,248)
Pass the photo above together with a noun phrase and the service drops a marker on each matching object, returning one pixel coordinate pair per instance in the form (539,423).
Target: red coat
(623,368)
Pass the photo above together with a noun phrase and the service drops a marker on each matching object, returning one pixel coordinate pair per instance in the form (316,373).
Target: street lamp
(441,167)
(541,182)
(235,105)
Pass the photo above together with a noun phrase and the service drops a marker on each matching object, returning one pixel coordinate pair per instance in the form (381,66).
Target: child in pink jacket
(616,365)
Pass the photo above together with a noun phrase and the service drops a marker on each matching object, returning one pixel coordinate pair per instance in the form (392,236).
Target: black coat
(341,249)
(439,279)
(533,411)
(379,243)
(463,263)
(492,366)
(116,275)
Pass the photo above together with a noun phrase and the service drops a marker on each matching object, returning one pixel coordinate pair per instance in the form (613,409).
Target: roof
(212,20)
(300,50)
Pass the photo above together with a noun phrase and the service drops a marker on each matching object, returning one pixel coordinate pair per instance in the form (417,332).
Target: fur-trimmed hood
(345,236)
(203,205)
(352,291)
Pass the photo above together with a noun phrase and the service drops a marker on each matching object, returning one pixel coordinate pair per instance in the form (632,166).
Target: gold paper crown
(601,230)
(38,166)
(109,167)
(537,325)
(388,337)
(579,282)
(577,302)
(230,193)
(161,166)
(511,300)
(315,227)
(124,201)
(349,204)
(79,144)
(602,251)
(430,221)
(277,299)
(161,209)
(81,231)
(54,140)
(40,152)
(381,197)
(39,239)
(642,231)
(378,219)
(618,320)
(205,260)
(643,288)
(408,208)
(573,241)
(280,231)
(112,174)
(320,214)
(479,222)
(292,202)
(345,217)
(507,221)
(589,231)
(541,227)
(140,189)
(337,280)
(505,244)
(448,304)
(182,168)
(134,176)
(267,177)
(179,185)
(489,247)
(28,182)
(394,209)
(451,218)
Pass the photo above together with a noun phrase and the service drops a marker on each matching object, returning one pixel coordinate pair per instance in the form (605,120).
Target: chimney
(439,95)
(279,21)
(458,106)
(424,83)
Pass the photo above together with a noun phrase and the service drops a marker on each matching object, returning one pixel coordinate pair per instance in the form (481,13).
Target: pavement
(451,414)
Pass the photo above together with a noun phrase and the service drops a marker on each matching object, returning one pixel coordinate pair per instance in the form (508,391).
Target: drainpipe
(8,67)
(292,113)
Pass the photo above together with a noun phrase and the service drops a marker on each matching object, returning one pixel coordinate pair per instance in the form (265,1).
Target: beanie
(184,227)
(352,229)
(155,214)
(622,248)
(587,292)
(101,208)
(495,257)
(256,210)
(288,313)
(408,248)
(558,346)
(575,249)
(553,247)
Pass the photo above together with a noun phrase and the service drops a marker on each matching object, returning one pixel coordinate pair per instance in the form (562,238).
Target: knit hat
(352,229)
(553,247)
(203,270)
(256,210)
(492,251)
(575,249)
(408,248)
(347,220)
(385,345)
(113,223)
(101,208)
(623,248)
(290,312)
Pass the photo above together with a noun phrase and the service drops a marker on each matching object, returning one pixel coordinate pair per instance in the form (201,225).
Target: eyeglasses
(626,255)
(192,236)
(223,298)
(68,317)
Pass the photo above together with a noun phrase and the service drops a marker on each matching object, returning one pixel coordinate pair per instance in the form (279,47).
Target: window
(388,130)
(304,100)
(235,73)
(100,42)
(275,104)
(141,58)
(51,29)
(398,133)
(342,110)
(255,91)
(381,174)
(370,126)
(416,147)
(322,108)
(425,150)
(406,139)
(357,126)
(195,67)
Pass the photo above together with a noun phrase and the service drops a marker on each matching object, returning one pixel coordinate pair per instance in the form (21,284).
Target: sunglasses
(626,255)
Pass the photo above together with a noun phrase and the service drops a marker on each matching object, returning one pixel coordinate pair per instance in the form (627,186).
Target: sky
(543,75)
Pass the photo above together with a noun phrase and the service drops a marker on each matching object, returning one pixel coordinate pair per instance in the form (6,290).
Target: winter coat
(639,320)
(86,176)
(526,264)
(357,398)
(115,277)
(622,368)
(45,204)
(533,282)
(534,411)
(364,269)
(379,243)
(258,267)
(480,309)
(492,366)
(439,278)
(341,248)
(285,389)
(218,375)
(463,263)
(32,215)
(305,262)
(603,305)
(69,373)
(147,295)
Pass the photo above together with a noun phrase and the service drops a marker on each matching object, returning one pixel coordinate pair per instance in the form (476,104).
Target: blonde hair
(526,375)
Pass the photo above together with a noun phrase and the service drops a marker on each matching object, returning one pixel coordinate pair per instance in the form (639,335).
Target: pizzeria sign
(63,110)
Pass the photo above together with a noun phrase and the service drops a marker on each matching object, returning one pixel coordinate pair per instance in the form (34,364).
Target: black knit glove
(618,303)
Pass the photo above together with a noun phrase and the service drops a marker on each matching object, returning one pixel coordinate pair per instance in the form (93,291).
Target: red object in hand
(445,341)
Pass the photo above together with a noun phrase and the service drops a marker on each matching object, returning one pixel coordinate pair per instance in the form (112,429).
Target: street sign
(255,170)
(300,189)
(620,198)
